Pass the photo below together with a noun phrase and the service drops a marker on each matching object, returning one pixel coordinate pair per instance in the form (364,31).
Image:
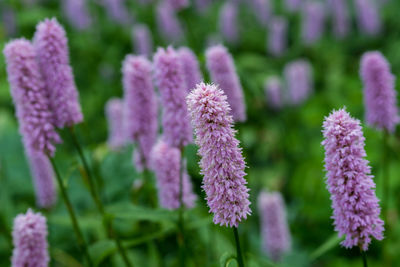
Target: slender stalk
(181,211)
(81,241)
(385,175)
(364,257)
(238,250)
(93,191)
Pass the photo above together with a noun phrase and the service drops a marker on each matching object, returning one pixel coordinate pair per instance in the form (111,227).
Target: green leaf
(136,213)
(226,258)
(99,251)
(329,244)
(64,259)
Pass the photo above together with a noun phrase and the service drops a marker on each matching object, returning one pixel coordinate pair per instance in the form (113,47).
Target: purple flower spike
(298,78)
(379,93)
(117,11)
(277,36)
(368,18)
(77,13)
(43,179)
(191,68)
(349,180)
(168,24)
(171,84)
(228,23)
(166,162)
(51,47)
(142,40)
(341,18)
(274,227)
(115,119)
(262,10)
(140,105)
(293,5)
(30,241)
(223,73)
(222,163)
(178,4)
(274,92)
(313,21)
(30,97)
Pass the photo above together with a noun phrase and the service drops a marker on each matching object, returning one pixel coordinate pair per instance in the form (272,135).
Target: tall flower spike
(341,18)
(142,40)
(171,84)
(191,68)
(30,241)
(117,11)
(298,78)
(274,92)
(379,93)
(140,106)
(228,23)
(262,10)
(168,24)
(368,18)
(116,128)
(77,13)
(313,21)
(349,180)
(223,73)
(277,35)
(178,4)
(51,47)
(30,97)
(274,226)
(43,178)
(293,5)
(166,162)
(222,163)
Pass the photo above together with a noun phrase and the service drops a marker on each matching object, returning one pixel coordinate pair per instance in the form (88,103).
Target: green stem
(81,241)
(385,176)
(92,188)
(181,211)
(238,250)
(364,257)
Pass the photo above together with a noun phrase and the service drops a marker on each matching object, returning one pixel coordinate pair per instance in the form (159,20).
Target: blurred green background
(282,148)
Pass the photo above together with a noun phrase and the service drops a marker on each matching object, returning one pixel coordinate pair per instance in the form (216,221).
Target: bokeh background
(282,147)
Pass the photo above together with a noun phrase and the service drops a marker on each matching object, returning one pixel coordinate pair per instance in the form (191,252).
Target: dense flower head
(313,21)
(277,35)
(77,13)
(368,18)
(168,24)
(341,17)
(171,83)
(274,226)
(142,40)
(379,93)
(166,162)
(140,105)
(51,47)
(274,92)
(262,10)
(298,79)
(221,163)
(116,126)
(191,68)
(30,97)
(228,23)
(43,178)
(30,241)
(349,180)
(223,73)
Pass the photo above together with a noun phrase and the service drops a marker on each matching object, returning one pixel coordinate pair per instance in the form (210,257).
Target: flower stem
(81,241)
(364,258)
(181,225)
(93,192)
(238,250)
(385,176)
